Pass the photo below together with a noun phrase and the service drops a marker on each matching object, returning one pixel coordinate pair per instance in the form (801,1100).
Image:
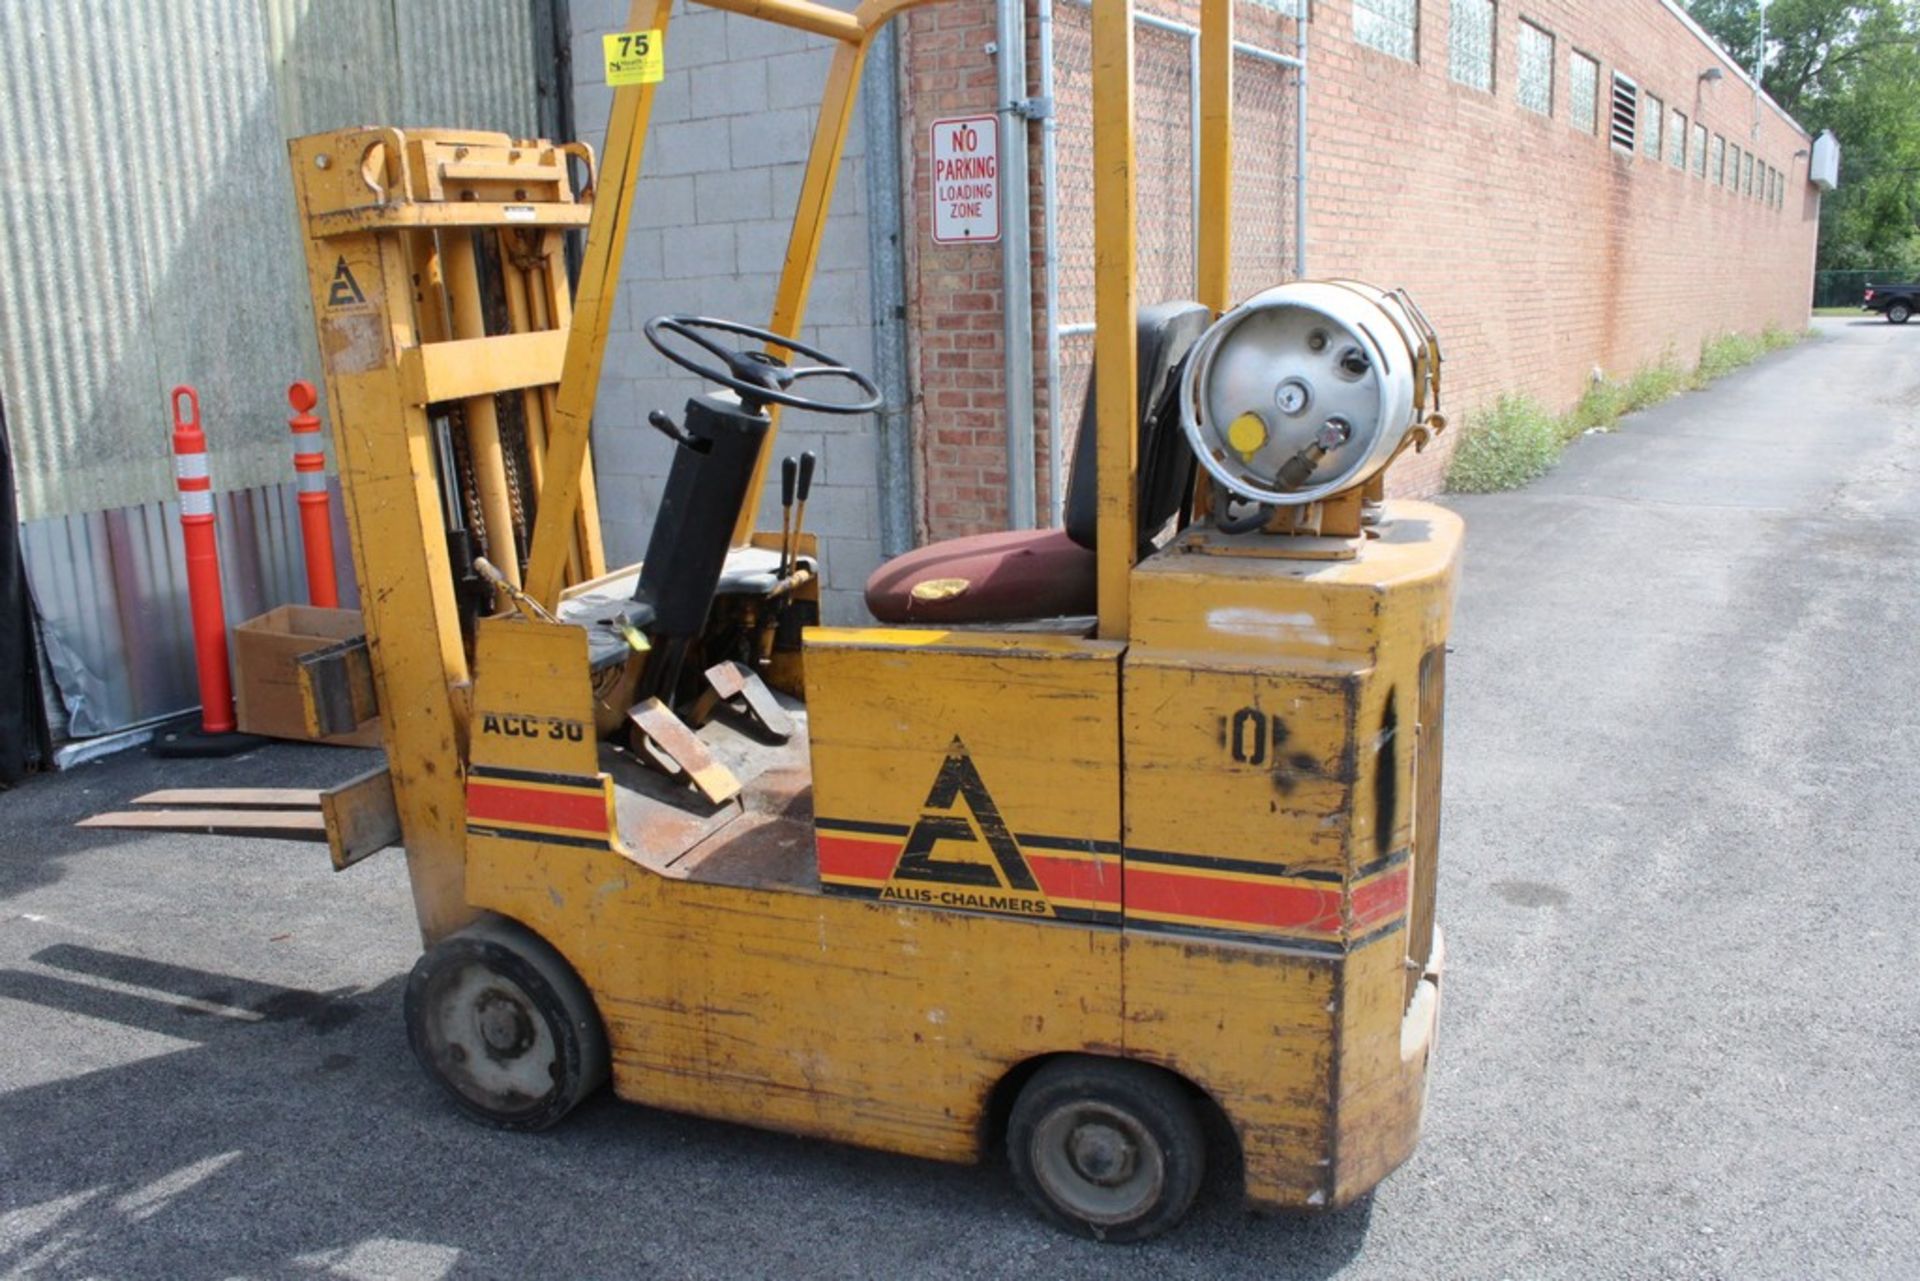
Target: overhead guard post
(567,437)
(1216,155)
(1115,353)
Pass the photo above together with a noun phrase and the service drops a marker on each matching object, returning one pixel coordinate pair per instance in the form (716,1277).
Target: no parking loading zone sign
(966,180)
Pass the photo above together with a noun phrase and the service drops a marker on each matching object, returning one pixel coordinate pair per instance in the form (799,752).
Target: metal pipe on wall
(1016,260)
(1300,141)
(887,283)
(1050,240)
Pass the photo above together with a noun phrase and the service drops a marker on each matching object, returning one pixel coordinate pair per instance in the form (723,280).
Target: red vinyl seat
(986,578)
(1049,573)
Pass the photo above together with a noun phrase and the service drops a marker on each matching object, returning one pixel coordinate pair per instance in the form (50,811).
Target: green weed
(1504,447)
(1517,440)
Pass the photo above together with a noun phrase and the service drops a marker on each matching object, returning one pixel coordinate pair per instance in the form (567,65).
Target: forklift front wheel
(1107,1148)
(502,1022)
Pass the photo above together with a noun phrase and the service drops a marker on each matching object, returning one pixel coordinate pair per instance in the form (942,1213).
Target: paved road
(1682,1037)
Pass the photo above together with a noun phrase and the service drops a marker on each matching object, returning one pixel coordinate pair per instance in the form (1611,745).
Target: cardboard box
(266,674)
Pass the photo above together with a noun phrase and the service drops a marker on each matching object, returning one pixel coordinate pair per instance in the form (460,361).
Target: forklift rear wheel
(1110,1149)
(504,1024)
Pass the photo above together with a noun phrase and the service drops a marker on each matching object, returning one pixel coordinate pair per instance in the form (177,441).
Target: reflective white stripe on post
(196,502)
(312,482)
(190,466)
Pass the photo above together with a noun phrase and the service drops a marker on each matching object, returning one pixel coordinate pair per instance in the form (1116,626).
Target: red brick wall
(954,299)
(1539,252)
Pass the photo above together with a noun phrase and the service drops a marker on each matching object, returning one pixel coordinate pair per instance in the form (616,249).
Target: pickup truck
(1897,303)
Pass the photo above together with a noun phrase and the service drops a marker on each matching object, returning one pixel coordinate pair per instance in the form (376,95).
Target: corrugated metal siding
(444,43)
(111,589)
(147,237)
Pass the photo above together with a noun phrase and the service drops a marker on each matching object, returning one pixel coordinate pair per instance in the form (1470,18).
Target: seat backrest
(1167,332)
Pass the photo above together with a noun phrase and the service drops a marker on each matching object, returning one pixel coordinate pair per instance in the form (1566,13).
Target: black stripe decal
(538,838)
(1391,927)
(1378,865)
(1315,947)
(1066,843)
(533,776)
(1073,915)
(1087,915)
(1213,863)
(857,825)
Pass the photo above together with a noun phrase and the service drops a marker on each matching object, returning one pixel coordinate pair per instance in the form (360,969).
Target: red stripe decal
(1093,880)
(1381,898)
(1245,902)
(863,858)
(576,810)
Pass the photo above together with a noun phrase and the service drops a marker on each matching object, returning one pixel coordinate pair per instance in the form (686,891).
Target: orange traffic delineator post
(203,563)
(316,518)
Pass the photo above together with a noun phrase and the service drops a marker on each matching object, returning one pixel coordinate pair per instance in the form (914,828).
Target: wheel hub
(1102,1154)
(505,1025)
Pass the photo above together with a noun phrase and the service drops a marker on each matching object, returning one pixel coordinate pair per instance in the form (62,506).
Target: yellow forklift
(1107,838)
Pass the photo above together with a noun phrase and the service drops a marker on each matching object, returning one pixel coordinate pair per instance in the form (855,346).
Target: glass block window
(1746,175)
(1391,26)
(1535,72)
(1699,151)
(1719,162)
(1677,140)
(1653,112)
(1733,167)
(1470,43)
(1621,127)
(1583,87)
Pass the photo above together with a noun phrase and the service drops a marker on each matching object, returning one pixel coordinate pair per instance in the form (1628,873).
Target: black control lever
(788,472)
(674,431)
(807,463)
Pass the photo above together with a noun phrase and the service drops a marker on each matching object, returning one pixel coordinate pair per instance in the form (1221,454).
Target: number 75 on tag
(634,57)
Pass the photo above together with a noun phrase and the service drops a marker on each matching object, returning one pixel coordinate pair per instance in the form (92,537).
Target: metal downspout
(1050,239)
(1016,260)
(887,285)
(1300,143)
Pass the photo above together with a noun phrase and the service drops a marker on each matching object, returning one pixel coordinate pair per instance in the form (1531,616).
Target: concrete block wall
(731,126)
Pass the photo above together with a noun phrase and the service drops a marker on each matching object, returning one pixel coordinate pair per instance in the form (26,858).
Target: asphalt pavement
(1681,1034)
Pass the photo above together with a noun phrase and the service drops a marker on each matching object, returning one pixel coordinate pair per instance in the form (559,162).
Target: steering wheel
(758,376)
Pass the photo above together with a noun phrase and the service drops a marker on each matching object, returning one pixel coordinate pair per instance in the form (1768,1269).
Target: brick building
(1564,185)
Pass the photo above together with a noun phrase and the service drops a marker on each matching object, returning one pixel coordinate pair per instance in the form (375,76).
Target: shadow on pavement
(287,1131)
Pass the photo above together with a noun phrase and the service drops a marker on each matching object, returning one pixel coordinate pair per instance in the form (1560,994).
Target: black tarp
(23,721)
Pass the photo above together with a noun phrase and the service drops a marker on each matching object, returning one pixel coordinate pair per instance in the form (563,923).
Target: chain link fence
(1166,126)
(1846,288)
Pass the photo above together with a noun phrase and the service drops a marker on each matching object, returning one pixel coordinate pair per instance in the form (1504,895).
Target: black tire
(1899,313)
(1107,1148)
(506,1027)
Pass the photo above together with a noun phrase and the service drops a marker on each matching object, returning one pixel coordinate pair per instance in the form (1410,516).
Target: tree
(1852,66)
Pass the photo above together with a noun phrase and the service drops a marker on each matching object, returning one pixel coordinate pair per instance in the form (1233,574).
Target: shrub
(1597,410)
(1722,355)
(1659,381)
(1515,441)
(1504,447)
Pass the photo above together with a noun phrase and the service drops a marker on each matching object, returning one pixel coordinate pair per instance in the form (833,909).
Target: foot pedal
(668,742)
(729,681)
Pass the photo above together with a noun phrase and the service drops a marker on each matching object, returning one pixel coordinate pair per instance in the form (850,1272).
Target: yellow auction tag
(634,58)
